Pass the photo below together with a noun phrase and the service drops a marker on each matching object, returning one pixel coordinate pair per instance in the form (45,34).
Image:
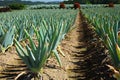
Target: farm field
(60,44)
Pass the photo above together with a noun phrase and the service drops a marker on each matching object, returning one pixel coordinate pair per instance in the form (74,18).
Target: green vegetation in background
(17,6)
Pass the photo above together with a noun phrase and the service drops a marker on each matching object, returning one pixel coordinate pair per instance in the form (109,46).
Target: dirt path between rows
(73,47)
(76,47)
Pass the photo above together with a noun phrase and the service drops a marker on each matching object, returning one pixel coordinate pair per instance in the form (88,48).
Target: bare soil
(84,59)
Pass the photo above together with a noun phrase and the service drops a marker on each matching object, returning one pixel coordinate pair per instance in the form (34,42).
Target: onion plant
(6,39)
(35,56)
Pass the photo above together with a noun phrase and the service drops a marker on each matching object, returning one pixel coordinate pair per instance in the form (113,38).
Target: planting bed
(85,58)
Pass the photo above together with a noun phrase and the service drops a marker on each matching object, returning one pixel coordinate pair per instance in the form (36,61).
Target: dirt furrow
(78,47)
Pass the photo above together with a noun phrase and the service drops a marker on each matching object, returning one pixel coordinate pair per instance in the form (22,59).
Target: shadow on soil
(92,62)
(11,71)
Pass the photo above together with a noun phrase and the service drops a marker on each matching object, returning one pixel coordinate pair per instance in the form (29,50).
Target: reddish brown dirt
(75,65)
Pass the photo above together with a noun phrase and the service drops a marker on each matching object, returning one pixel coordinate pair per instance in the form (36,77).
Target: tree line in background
(92,1)
(8,2)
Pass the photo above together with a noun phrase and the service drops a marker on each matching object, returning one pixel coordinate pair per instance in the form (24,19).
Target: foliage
(17,6)
(43,30)
(26,19)
(48,35)
(107,26)
(34,56)
(6,38)
(50,6)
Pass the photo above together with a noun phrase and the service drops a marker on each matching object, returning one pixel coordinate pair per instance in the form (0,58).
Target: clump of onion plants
(35,56)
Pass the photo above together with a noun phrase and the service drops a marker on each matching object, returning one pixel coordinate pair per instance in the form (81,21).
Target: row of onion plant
(24,19)
(106,23)
(45,27)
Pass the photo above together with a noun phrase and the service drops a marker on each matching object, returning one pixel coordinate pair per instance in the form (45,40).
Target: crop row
(106,23)
(12,24)
(44,30)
